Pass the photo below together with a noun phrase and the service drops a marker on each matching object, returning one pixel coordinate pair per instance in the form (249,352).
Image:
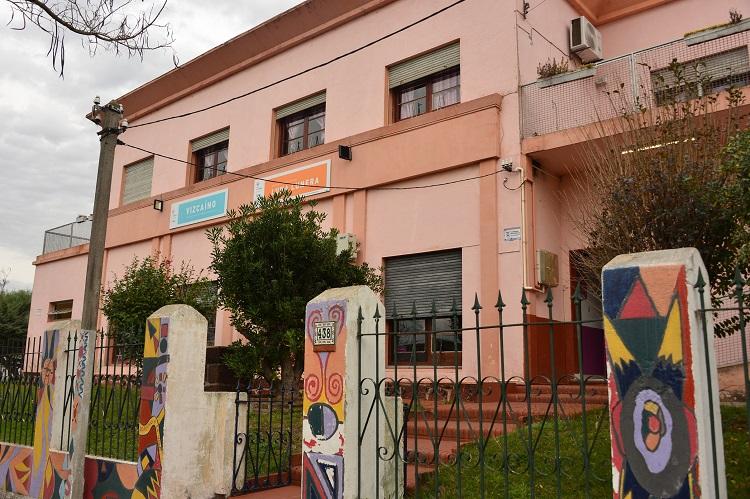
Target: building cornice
(289,29)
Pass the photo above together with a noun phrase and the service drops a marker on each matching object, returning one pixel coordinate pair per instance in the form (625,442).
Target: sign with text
(324,339)
(199,209)
(511,234)
(303,181)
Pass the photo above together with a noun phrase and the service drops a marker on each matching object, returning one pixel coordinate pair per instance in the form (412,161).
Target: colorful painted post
(75,461)
(663,391)
(331,393)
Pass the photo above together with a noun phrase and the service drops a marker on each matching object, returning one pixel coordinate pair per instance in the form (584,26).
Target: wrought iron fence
(267,429)
(636,78)
(67,236)
(20,367)
(541,433)
(115,396)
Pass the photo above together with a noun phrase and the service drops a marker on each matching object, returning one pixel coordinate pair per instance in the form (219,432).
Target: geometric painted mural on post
(151,413)
(652,384)
(323,404)
(41,481)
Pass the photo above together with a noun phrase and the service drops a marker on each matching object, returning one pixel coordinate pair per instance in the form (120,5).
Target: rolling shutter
(422,278)
(713,67)
(424,65)
(138,181)
(298,106)
(210,140)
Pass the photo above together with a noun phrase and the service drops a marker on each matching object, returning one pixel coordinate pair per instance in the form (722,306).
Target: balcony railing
(67,236)
(639,78)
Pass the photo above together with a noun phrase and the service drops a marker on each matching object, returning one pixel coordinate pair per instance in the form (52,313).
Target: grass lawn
(571,480)
(268,444)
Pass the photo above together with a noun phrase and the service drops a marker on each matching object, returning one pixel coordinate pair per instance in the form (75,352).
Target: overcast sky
(48,150)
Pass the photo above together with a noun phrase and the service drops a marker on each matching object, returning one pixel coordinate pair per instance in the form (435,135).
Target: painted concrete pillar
(182,448)
(330,447)
(663,391)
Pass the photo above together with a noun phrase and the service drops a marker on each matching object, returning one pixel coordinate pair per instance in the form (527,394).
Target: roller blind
(210,140)
(424,65)
(298,106)
(138,181)
(713,67)
(422,278)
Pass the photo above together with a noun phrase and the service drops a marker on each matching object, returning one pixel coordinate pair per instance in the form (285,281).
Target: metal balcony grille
(617,83)
(66,236)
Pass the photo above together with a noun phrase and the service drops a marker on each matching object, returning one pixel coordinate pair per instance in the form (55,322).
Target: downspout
(524,234)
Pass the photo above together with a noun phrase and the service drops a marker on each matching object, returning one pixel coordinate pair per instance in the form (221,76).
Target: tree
(270,259)
(115,25)
(667,176)
(147,285)
(14,312)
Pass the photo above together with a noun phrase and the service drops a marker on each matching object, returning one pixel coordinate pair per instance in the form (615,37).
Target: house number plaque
(324,337)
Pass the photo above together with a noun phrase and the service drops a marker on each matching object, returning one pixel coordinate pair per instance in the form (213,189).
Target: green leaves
(14,314)
(270,259)
(147,285)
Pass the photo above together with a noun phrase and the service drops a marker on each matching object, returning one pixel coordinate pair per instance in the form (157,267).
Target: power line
(341,56)
(293,184)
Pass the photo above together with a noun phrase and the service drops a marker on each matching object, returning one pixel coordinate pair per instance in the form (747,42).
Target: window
(210,155)
(414,282)
(429,94)
(302,125)
(702,76)
(206,296)
(426,83)
(137,181)
(60,310)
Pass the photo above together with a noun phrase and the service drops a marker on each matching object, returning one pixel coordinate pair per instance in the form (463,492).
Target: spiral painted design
(336,313)
(335,388)
(313,387)
(313,317)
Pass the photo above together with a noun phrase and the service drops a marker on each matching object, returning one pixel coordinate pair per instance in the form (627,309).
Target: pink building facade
(452,100)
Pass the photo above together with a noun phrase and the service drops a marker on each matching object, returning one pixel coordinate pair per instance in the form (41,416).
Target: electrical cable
(305,71)
(293,184)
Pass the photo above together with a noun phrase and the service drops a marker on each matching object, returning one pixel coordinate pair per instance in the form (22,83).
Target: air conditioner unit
(585,40)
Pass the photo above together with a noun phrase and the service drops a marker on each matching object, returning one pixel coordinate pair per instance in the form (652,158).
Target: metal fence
(617,85)
(67,236)
(20,367)
(544,433)
(267,432)
(115,396)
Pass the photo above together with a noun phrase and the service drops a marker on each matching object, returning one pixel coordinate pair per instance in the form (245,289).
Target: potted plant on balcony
(736,24)
(553,72)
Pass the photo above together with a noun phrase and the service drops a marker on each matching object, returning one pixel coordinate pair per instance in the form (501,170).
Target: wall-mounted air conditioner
(585,40)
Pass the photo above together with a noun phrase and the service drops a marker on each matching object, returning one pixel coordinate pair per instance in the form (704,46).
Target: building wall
(56,280)
(356,86)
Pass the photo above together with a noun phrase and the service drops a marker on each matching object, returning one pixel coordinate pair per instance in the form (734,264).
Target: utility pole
(109,117)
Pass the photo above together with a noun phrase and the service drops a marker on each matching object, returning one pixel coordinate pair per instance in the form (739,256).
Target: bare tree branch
(122,26)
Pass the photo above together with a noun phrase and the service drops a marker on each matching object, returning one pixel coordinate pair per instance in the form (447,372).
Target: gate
(543,433)
(267,427)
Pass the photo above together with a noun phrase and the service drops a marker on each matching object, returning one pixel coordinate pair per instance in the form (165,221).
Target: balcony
(638,79)
(67,236)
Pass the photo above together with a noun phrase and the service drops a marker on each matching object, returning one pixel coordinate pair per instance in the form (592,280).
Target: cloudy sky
(48,150)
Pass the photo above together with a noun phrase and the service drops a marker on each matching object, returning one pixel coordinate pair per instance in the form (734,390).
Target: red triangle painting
(637,305)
